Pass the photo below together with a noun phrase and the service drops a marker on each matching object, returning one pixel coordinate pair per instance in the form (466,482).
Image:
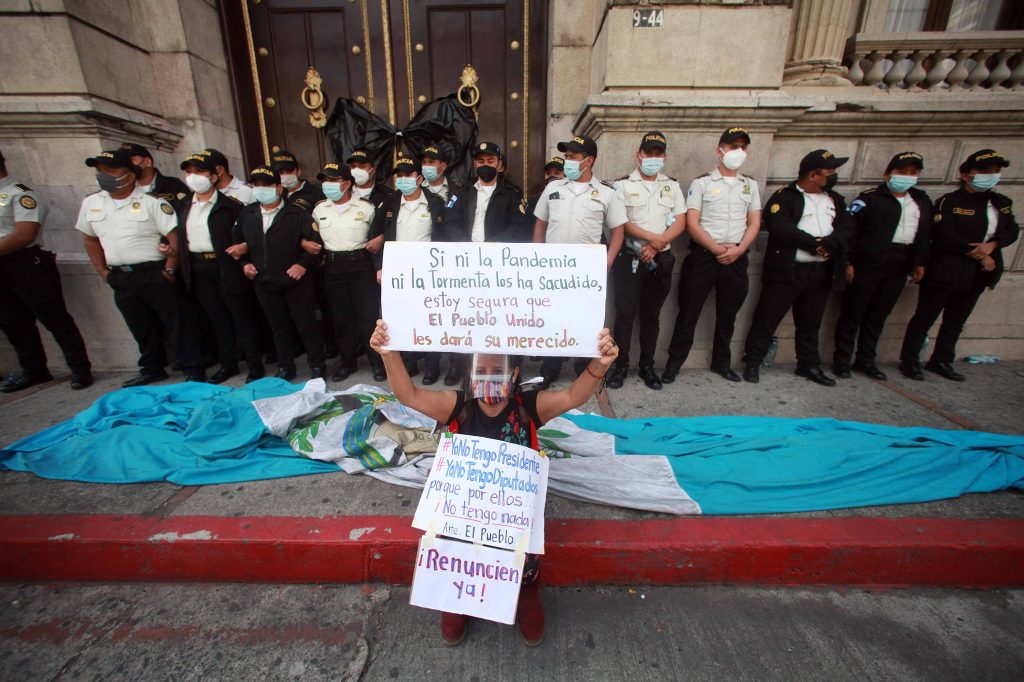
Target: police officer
(212,277)
(30,290)
(412,215)
(578,210)
(227,183)
(553,170)
(486,211)
(298,190)
(350,278)
(366,187)
(973,224)
(893,230)
(808,231)
(723,218)
(152,180)
(643,269)
(122,228)
(434,166)
(273,231)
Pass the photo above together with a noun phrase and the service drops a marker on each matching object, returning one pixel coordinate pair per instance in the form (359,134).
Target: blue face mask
(265,195)
(332,190)
(983,182)
(900,183)
(406,185)
(572,169)
(430,173)
(651,165)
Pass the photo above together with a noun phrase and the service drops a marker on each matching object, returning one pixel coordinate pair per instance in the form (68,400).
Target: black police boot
(223,374)
(19,381)
(80,380)
(617,375)
(143,378)
(911,370)
(286,373)
(752,373)
(870,370)
(945,370)
(651,378)
(816,375)
(672,368)
(724,372)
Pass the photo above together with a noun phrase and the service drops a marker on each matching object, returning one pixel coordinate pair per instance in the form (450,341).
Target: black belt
(151,265)
(357,254)
(202,255)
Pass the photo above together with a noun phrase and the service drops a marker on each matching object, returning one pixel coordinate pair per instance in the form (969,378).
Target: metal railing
(937,60)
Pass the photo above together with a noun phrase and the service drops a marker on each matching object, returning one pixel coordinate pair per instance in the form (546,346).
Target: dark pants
(553,366)
(867,303)
(328,323)
(30,290)
(250,322)
(205,286)
(954,306)
(146,301)
(700,273)
(642,292)
(353,298)
(294,305)
(807,295)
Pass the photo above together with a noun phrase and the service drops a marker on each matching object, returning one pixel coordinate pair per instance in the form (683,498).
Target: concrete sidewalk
(990,400)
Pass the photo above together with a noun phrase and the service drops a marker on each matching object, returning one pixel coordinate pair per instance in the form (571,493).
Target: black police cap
(334,172)
(487,148)
(361,154)
(200,161)
(579,144)
(555,162)
(435,153)
(984,158)
(217,156)
(905,159)
(137,150)
(404,164)
(653,140)
(264,174)
(733,134)
(282,160)
(821,158)
(114,158)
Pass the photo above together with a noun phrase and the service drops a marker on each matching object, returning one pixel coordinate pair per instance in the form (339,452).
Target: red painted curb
(791,551)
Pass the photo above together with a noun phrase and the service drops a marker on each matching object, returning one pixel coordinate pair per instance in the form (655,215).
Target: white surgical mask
(651,165)
(290,180)
(265,195)
(733,158)
(332,190)
(198,183)
(572,169)
(430,173)
(360,176)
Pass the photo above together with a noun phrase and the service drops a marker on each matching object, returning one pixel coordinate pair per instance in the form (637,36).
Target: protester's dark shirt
(507,425)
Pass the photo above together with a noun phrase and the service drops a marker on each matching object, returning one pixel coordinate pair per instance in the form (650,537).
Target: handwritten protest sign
(485,491)
(509,299)
(462,578)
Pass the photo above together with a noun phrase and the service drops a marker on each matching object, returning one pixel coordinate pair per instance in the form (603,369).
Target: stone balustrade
(935,60)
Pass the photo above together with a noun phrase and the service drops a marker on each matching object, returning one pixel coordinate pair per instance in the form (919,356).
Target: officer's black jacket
(781,216)
(221,221)
(308,196)
(280,248)
(170,189)
(961,219)
(389,209)
(504,221)
(876,214)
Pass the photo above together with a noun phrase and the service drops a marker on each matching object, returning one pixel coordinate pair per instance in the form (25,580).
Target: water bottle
(773,346)
(982,359)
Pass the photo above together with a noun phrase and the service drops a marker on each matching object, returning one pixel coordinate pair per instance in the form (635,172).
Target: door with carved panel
(391,56)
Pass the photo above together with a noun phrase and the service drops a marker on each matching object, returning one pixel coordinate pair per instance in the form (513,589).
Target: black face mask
(830,181)
(487,173)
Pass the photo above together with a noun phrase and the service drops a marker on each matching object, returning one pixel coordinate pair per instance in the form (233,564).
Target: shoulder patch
(774,208)
(166,208)
(857,206)
(1005,209)
(937,218)
(27,202)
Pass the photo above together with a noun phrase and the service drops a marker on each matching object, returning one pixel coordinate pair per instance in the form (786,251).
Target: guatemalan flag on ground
(197,434)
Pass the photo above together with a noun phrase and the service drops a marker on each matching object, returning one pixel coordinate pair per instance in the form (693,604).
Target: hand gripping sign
(508,299)
(489,493)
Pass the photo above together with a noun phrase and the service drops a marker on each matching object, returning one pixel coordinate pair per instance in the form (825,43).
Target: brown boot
(531,614)
(453,628)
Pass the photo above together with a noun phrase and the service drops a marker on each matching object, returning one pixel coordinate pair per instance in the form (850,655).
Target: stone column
(816,42)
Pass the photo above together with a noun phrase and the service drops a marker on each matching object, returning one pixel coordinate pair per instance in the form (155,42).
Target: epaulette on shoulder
(232,199)
(23,188)
(869,191)
(671,178)
(624,177)
(607,184)
(322,201)
(705,175)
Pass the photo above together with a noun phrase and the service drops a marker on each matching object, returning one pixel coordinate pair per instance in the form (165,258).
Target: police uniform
(129,232)
(165,187)
(891,239)
(305,195)
(577,213)
(350,278)
(30,290)
(724,204)
(795,276)
(274,239)
(531,203)
(642,287)
(416,220)
(953,281)
(447,186)
(215,280)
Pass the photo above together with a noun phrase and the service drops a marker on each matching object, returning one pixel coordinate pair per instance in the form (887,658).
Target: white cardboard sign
(485,491)
(507,299)
(462,578)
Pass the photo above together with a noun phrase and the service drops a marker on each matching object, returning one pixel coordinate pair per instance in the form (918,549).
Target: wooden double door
(391,56)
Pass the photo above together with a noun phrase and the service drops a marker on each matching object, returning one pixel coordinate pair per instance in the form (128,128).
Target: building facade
(863,78)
